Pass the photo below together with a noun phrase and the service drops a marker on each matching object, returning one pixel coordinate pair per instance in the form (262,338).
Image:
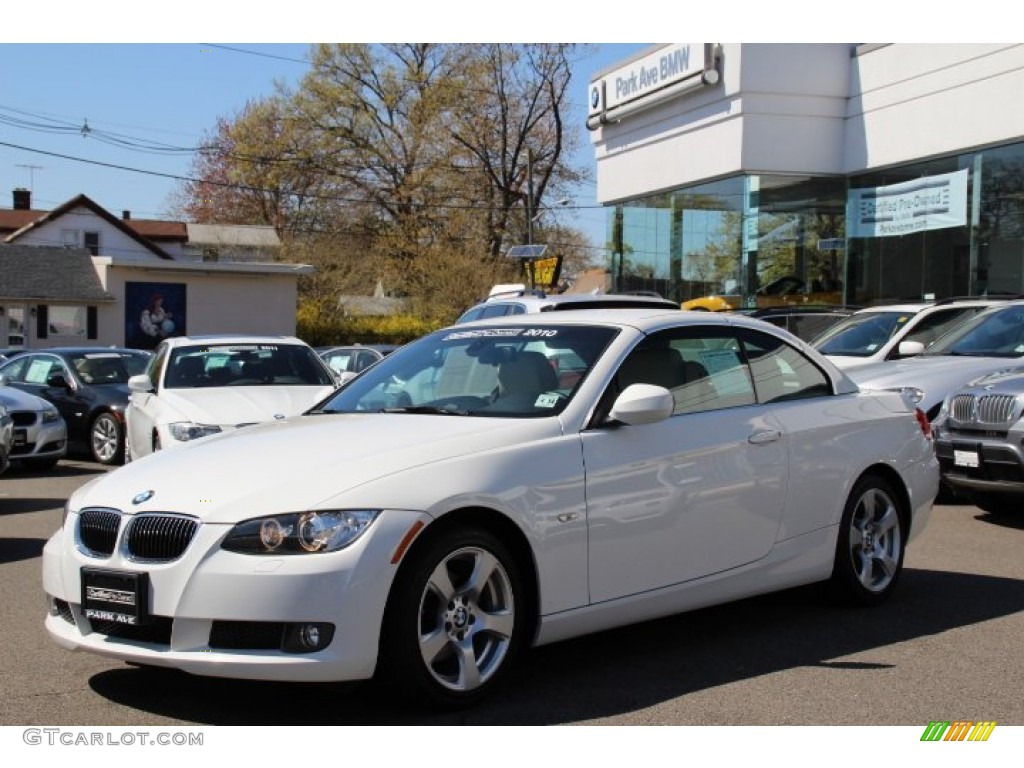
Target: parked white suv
(203,385)
(894,331)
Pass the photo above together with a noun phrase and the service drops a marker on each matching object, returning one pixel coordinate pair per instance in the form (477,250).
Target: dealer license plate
(966,459)
(115,596)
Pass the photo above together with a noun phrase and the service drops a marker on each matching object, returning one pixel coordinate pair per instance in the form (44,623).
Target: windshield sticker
(547,400)
(485,333)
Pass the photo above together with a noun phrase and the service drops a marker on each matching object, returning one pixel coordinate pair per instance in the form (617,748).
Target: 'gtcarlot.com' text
(64,737)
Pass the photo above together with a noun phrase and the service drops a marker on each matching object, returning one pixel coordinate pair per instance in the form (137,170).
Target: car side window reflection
(781,372)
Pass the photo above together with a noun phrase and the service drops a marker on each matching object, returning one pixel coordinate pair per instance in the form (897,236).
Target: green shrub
(321,329)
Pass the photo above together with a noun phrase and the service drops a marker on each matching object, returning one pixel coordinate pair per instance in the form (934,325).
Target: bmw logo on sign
(144,496)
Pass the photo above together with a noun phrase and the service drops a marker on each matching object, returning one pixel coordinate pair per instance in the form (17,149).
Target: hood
(17,400)
(230,406)
(935,376)
(1008,381)
(300,463)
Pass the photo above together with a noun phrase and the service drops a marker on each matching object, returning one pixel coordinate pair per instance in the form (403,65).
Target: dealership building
(851,173)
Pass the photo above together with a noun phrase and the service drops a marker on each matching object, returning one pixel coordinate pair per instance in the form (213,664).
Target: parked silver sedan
(39,434)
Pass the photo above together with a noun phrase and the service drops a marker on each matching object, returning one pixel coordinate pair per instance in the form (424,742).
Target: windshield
(525,371)
(862,334)
(245,365)
(108,367)
(996,333)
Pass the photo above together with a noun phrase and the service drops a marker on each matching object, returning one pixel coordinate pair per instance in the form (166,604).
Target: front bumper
(192,599)
(40,441)
(979,462)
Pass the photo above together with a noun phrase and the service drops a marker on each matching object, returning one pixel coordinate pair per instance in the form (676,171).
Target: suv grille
(984,409)
(97,530)
(23,418)
(160,538)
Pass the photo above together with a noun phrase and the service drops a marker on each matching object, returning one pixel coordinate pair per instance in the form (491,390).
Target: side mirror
(57,381)
(643,404)
(140,384)
(909,349)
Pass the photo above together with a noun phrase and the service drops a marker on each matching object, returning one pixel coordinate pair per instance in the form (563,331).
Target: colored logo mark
(958,730)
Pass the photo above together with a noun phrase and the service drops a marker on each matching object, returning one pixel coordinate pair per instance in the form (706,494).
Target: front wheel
(872,541)
(456,619)
(106,439)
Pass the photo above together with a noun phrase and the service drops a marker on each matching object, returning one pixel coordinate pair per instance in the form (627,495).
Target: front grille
(247,635)
(984,409)
(995,409)
(97,530)
(23,418)
(160,538)
(156,632)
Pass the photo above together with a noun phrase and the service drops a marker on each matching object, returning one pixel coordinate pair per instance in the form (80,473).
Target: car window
(244,365)
(703,368)
(15,370)
(862,334)
(155,367)
(780,371)
(97,368)
(338,360)
(40,368)
(938,322)
(995,333)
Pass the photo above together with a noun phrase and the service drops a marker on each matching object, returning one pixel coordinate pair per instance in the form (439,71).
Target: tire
(871,545)
(39,465)
(455,621)
(106,439)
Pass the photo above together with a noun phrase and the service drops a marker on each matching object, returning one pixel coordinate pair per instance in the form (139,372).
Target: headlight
(912,394)
(51,415)
(299,533)
(186,430)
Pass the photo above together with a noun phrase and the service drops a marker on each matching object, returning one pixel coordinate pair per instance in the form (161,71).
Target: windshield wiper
(431,409)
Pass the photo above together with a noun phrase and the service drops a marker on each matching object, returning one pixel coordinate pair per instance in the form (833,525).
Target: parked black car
(89,386)
(804,321)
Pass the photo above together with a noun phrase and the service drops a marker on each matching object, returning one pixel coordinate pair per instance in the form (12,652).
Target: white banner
(932,202)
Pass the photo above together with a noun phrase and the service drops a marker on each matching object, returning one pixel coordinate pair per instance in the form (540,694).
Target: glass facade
(765,240)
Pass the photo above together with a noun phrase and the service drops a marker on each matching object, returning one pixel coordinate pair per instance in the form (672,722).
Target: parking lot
(947,646)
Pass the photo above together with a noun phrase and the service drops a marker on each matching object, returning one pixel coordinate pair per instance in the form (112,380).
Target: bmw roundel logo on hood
(144,496)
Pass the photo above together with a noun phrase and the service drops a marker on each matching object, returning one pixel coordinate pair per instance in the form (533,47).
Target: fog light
(307,638)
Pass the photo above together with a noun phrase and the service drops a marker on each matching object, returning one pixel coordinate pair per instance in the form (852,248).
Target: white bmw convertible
(494,486)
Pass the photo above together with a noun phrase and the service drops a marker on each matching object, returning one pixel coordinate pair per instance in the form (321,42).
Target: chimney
(22,199)
(126,215)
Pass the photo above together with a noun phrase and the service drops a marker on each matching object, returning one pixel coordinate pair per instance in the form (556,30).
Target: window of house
(92,242)
(67,321)
(69,238)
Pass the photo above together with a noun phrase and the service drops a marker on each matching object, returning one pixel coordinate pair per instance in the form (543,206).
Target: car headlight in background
(51,415)
(299,533)
(912,394)
(183,431)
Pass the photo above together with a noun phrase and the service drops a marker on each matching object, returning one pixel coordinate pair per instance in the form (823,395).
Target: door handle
(764,436)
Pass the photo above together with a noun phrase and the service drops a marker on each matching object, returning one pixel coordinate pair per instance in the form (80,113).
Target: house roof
(13,219)
(103,213)
(155,229)
(44,273)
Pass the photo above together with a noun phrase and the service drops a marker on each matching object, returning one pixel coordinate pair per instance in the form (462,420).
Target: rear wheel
(872,541)
(456,619)
(106,439)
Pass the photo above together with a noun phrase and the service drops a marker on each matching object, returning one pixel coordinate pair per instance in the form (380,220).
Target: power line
(257,53)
